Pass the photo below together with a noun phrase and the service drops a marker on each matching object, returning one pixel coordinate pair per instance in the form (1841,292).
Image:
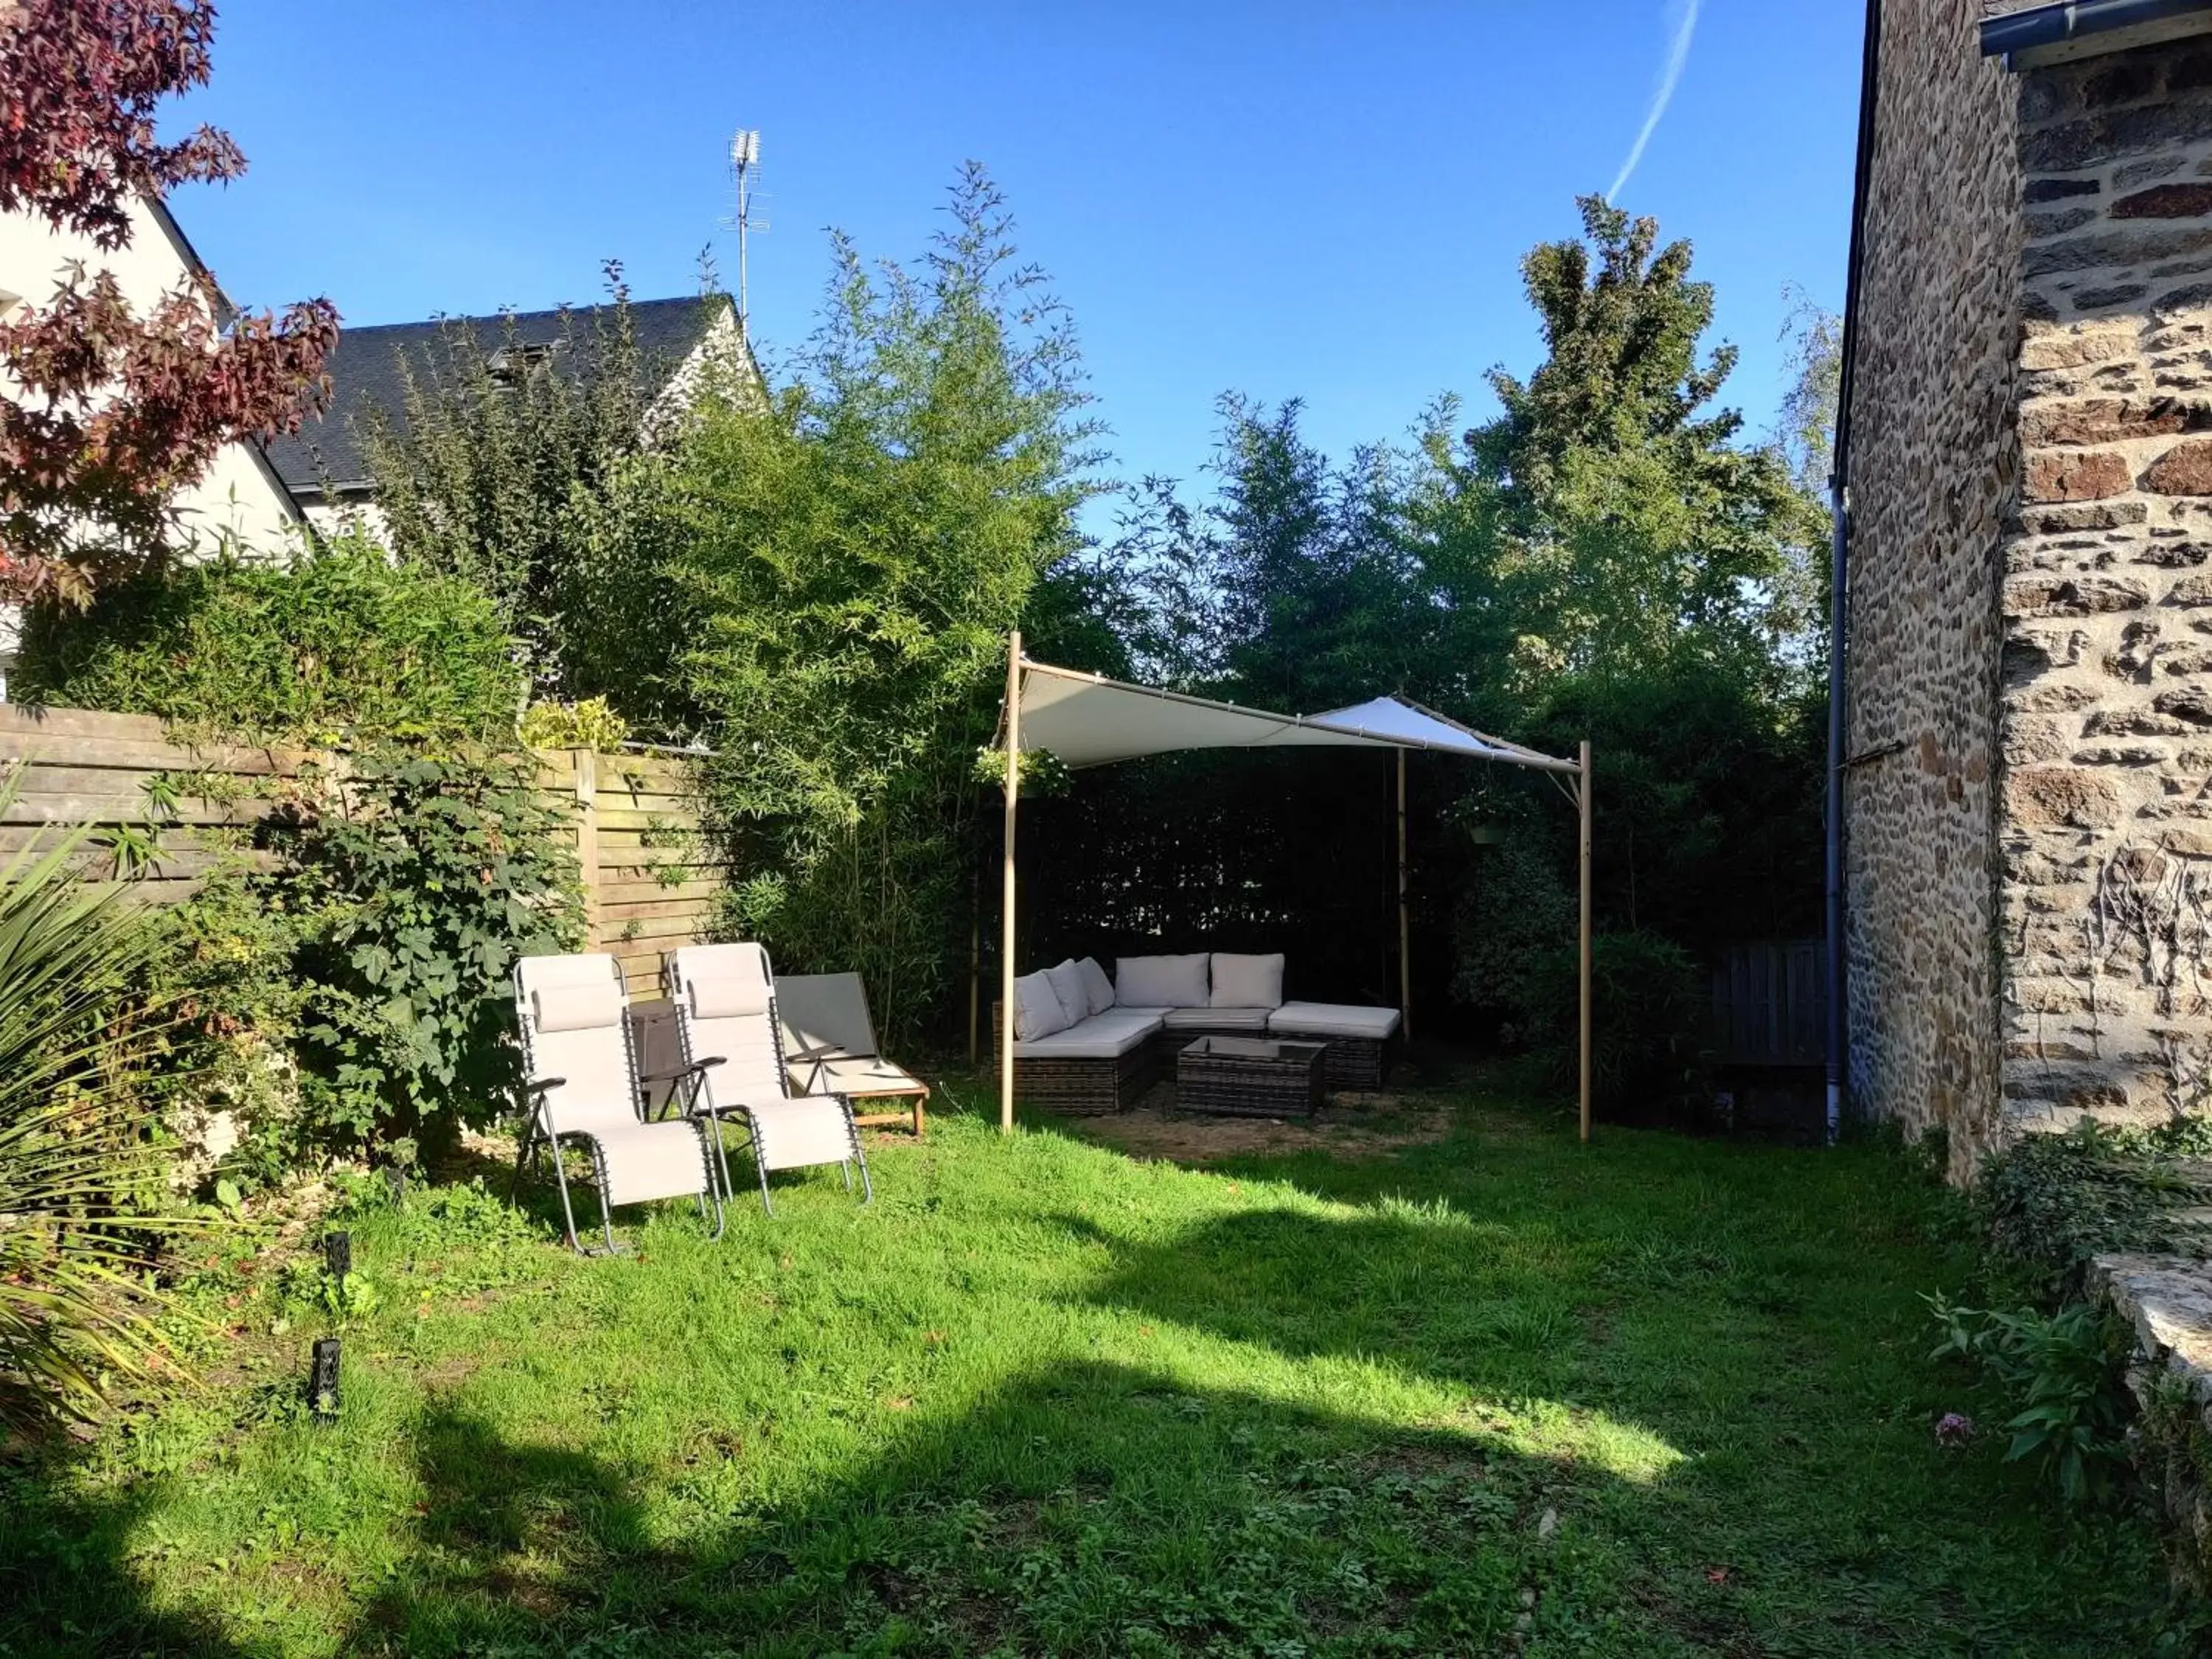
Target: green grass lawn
(1495,1394)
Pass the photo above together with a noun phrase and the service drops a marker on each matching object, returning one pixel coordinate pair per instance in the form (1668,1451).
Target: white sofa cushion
(1248,981)
(1218,1019)
(1097,989)
(1162,981)
(1332,1020)
(1100,1038)
(1067,985)
(1144,1020)
(1037,1009)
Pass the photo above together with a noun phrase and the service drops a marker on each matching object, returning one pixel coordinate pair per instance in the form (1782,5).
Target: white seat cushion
(1102,1036)
(1068,984)
(1332,1020)
(1218,1019)
(1248,981)
(647,1161)
(790,1135)
(1037,1011)
(1176,981)
(577,1007)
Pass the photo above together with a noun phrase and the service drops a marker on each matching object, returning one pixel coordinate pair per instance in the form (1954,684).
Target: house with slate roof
(325,465)
(2021,765)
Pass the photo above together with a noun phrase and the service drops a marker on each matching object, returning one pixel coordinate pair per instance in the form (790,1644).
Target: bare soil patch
(1349,1124)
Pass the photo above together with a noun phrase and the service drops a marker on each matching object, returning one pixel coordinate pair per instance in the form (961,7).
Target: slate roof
(365,374)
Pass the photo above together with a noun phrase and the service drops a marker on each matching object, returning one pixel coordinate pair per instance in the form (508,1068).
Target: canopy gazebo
(1087,719)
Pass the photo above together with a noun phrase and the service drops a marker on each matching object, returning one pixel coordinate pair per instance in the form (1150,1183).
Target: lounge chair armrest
(826,1051)
(696,1065)
(539,1085)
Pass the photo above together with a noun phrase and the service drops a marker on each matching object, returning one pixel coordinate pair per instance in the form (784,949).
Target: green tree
(853,559)
(534,473)
(1616,563)
(1610,498)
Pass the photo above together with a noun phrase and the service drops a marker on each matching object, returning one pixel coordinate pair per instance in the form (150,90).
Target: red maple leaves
(111,413)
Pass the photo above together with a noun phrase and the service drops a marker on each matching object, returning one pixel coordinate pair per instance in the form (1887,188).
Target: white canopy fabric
(1087,719)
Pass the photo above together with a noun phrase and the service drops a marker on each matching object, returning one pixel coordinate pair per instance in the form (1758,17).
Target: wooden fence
(649,884)
(1771,1005)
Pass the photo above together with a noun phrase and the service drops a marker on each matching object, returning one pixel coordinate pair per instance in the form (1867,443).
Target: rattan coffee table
(1252,1077)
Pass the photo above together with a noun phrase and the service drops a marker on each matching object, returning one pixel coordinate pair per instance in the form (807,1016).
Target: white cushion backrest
(1162,981)
(824,1010)
(576,1007)
(1248,981)
(562,1003)
(1097,989)
(1038,1012)
(1074,995)
(723,998)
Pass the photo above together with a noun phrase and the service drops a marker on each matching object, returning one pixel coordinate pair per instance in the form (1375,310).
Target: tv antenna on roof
(745,167)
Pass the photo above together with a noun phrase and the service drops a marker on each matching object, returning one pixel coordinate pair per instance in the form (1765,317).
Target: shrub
(419,881)
(222,1063)
(344,644)
(590,724)
(2052,1202)
(1651,1010)
(81,1177)
(2065,1371)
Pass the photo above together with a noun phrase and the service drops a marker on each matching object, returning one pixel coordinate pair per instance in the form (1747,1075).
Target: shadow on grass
(67,1585)
(1095,1508)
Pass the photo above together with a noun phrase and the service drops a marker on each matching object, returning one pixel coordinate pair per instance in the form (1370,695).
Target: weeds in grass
(2065,1371)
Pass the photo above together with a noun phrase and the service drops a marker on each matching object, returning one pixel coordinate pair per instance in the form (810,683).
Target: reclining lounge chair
(581,1085)
(725,1009)
(830,1047)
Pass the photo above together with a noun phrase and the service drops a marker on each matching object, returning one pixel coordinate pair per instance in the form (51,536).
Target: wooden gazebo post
(1006,902)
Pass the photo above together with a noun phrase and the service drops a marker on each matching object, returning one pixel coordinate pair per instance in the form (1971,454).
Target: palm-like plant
(80,1187)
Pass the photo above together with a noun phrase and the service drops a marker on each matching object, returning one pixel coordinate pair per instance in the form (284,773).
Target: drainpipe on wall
(1839,496)
(1838,1034)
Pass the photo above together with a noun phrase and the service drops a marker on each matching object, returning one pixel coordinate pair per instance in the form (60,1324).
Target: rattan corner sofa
(1085,1043)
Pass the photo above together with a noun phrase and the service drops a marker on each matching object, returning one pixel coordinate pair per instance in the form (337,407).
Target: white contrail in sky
(1678,54)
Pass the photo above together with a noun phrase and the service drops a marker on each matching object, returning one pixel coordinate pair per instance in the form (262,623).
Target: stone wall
(2106,699)
(1933,465)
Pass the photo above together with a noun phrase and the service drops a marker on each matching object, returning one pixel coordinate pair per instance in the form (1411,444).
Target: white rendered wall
(238,495)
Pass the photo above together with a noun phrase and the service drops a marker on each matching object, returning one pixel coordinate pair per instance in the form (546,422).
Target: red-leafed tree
(111,413)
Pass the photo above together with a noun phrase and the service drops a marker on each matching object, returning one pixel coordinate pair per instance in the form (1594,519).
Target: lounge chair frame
(538,1132)
(690,1094)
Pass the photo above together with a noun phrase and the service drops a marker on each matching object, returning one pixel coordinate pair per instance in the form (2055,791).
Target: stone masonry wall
(2106,699)
(1934,465)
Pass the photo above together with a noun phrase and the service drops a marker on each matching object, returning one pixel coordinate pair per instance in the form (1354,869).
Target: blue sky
(1320,200)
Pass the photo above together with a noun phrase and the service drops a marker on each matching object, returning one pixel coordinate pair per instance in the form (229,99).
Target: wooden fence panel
(1770,1003)
(650,880)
